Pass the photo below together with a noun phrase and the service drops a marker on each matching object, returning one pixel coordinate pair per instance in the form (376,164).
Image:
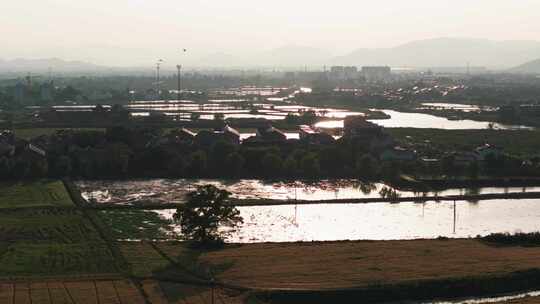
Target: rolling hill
(531,67)
(447,52)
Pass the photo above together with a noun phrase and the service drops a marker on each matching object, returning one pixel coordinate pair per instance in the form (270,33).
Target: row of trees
(120,152)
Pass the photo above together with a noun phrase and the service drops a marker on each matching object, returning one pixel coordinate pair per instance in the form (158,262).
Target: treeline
(142,152)
(120,152)
(518,239)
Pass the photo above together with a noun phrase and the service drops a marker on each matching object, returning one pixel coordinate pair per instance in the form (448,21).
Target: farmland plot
(144,260)
(36,194)
(176,293)
(71,292)
(43,234)
(38,225)
(137,225)
(24,259)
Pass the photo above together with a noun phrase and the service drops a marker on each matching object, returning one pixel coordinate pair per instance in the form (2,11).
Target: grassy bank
(520,143)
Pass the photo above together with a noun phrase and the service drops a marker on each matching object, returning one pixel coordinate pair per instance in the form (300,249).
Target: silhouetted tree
(62,166)
(234,164)
(366,167)
(197,163)
(309,165)
(290,167)
(206,210)
(272,164)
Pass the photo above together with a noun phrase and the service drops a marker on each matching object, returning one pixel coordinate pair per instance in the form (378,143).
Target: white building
(377,73)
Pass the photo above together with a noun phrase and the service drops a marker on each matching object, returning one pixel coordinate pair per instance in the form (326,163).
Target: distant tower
(20,93)
(179,68)
(29,80)
(158,83)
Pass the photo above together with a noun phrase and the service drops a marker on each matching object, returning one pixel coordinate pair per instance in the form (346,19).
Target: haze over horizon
(137,32)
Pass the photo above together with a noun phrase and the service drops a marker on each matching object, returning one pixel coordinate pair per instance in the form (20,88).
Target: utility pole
(158,84)
(179,68)
(213,293)
(454,216)
(213,286)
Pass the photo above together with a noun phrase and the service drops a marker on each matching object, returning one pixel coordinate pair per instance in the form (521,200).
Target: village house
(99,113)
(37,150)
(7,144)
(271,134)
(231,135)
(358,127)
(464,158)
(312,136)
(182,136)
(207,138)
(266,136)
(398,154)
(486,150)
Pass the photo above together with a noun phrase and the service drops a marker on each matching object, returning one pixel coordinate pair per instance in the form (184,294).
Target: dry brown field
(357,264)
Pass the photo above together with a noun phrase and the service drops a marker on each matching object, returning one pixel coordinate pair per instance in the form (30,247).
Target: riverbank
(522,143)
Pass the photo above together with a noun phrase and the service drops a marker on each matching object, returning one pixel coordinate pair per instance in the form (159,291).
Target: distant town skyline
(134,32)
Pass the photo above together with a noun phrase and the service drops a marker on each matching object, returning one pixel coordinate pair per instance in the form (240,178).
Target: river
(182,110)
(425,121)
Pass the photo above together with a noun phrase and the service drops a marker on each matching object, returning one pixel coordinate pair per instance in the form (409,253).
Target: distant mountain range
(288,56)
(43,65)
(447,52)
(531,67)
(439,52)
(431,53)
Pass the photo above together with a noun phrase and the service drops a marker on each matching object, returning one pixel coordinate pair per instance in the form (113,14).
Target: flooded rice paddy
(332,222)
(174,190)
(382,221)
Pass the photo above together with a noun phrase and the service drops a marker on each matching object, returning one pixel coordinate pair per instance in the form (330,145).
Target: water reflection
(456,106)
(425,121)
(495,299)
(174,190)
(383,221)
(419,120)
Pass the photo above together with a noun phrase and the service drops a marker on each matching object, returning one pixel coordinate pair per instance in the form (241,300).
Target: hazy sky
(101,30)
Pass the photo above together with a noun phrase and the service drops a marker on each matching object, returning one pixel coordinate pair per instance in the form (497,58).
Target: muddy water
(174,190)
